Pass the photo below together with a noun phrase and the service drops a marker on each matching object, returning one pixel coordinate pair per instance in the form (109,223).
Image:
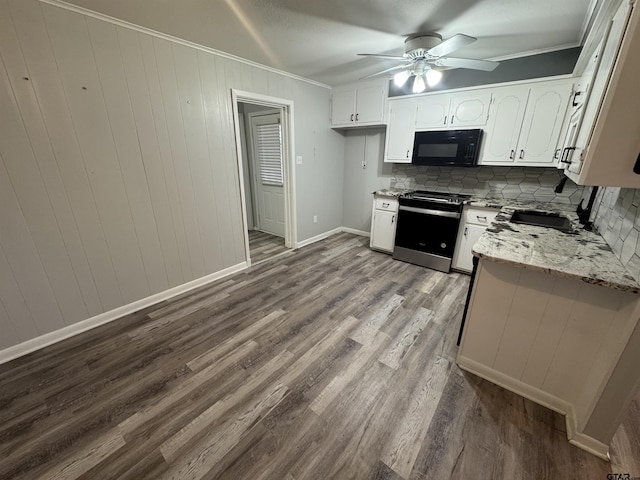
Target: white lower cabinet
(383,223)
(475,221)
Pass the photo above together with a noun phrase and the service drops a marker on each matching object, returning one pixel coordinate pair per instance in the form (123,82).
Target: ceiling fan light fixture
(433,77)
(400,78)
(419,85)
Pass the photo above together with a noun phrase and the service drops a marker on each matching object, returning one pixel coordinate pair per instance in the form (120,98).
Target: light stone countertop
(577,254)
(392,192)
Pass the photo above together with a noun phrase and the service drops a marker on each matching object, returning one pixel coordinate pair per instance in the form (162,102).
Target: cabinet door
(463,257)
(343,103)
(546,110)
(432,111)
(370,104)
(469,109)
(618,123)
(503,128)
(400,131)
(383,230)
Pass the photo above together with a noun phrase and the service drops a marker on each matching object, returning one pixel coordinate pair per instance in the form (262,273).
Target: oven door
(426,237)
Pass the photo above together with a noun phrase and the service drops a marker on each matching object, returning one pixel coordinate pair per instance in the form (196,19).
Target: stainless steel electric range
(427,228)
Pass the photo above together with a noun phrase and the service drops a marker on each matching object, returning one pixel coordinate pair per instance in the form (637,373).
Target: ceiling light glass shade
(418,84)
(401,78)
(433,77)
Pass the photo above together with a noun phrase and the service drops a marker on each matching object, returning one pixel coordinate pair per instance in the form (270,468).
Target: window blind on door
(270,153)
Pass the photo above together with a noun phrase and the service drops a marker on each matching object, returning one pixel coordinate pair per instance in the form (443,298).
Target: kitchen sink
(542,219)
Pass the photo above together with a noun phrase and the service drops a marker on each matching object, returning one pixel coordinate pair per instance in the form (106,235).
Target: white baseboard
(324,235)
(362,233)
(317,238)
(582,441)
(50,338)
(527,391)
(545,399)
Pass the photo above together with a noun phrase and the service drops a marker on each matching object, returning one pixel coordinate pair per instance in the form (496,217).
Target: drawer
(387,203)
(480,216)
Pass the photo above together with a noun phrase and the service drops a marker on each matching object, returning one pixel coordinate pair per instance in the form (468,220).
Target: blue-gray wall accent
(559,62)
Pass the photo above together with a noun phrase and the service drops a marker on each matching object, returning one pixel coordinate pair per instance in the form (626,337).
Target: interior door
(266,133)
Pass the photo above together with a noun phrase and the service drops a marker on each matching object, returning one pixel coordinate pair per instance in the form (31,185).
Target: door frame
(285,107)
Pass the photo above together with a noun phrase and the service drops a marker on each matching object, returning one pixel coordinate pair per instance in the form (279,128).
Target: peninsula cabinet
(525,123)
(400,131)
(359,105)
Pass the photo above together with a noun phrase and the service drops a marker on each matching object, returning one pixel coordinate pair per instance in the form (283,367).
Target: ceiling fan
(423,52)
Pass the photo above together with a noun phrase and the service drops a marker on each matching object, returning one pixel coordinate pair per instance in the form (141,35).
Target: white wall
(360,183)
(118,175)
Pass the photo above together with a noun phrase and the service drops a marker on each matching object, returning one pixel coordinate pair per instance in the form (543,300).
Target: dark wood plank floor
(263,246)
(333,362)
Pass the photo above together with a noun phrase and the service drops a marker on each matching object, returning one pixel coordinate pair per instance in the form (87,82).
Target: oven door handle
(426,211)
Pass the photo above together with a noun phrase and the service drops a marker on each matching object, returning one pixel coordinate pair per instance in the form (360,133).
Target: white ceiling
(319,39)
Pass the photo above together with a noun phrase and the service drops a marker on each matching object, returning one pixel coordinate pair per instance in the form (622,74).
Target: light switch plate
(298,159)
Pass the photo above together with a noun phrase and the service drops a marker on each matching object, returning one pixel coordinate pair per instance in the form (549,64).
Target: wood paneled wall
(118,175)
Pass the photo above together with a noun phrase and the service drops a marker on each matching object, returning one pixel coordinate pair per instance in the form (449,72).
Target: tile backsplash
(617,219)
(521,183)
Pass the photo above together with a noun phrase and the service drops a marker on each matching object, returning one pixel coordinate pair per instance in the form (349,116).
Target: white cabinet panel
(502,131)
(383,223)
(524,124)
(475,220)
(359,105)
(613,146)
(546,110)
(342,106)
(432,111)
(469,109)
(400,131)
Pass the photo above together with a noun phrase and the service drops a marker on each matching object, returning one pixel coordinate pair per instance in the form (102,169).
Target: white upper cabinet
(359,105)
(432,111)
(610,129)
(401,130)
(545,113)
(504,125)
(448,111)
(525,123)
(469,109)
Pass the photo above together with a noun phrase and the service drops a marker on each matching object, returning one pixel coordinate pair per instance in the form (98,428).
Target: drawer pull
(481,219)
(385,204)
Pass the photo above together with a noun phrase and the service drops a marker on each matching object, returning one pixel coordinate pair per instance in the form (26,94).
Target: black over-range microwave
(451,148)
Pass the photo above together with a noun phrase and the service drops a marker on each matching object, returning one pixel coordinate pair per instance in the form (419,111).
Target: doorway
(264,146)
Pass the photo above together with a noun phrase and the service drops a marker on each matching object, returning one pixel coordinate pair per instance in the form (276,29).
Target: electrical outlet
(315,219)
(298,159)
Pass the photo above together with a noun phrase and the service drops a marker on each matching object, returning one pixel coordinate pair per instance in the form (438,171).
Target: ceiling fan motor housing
(417,46)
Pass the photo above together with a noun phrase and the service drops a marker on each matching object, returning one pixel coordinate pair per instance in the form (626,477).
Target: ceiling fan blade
(486,65)
(451,45)
(393,57)
(397,67)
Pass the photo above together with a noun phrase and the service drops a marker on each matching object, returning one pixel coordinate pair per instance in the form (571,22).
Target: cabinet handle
(481,219)
(357,115)
(565,155)
(513,153)
(452,117)
(407,153)
(465,231)
(445,119)
(555,154)
(575,96)
(384,204)
(393,219)
(521,154)
(352,117)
